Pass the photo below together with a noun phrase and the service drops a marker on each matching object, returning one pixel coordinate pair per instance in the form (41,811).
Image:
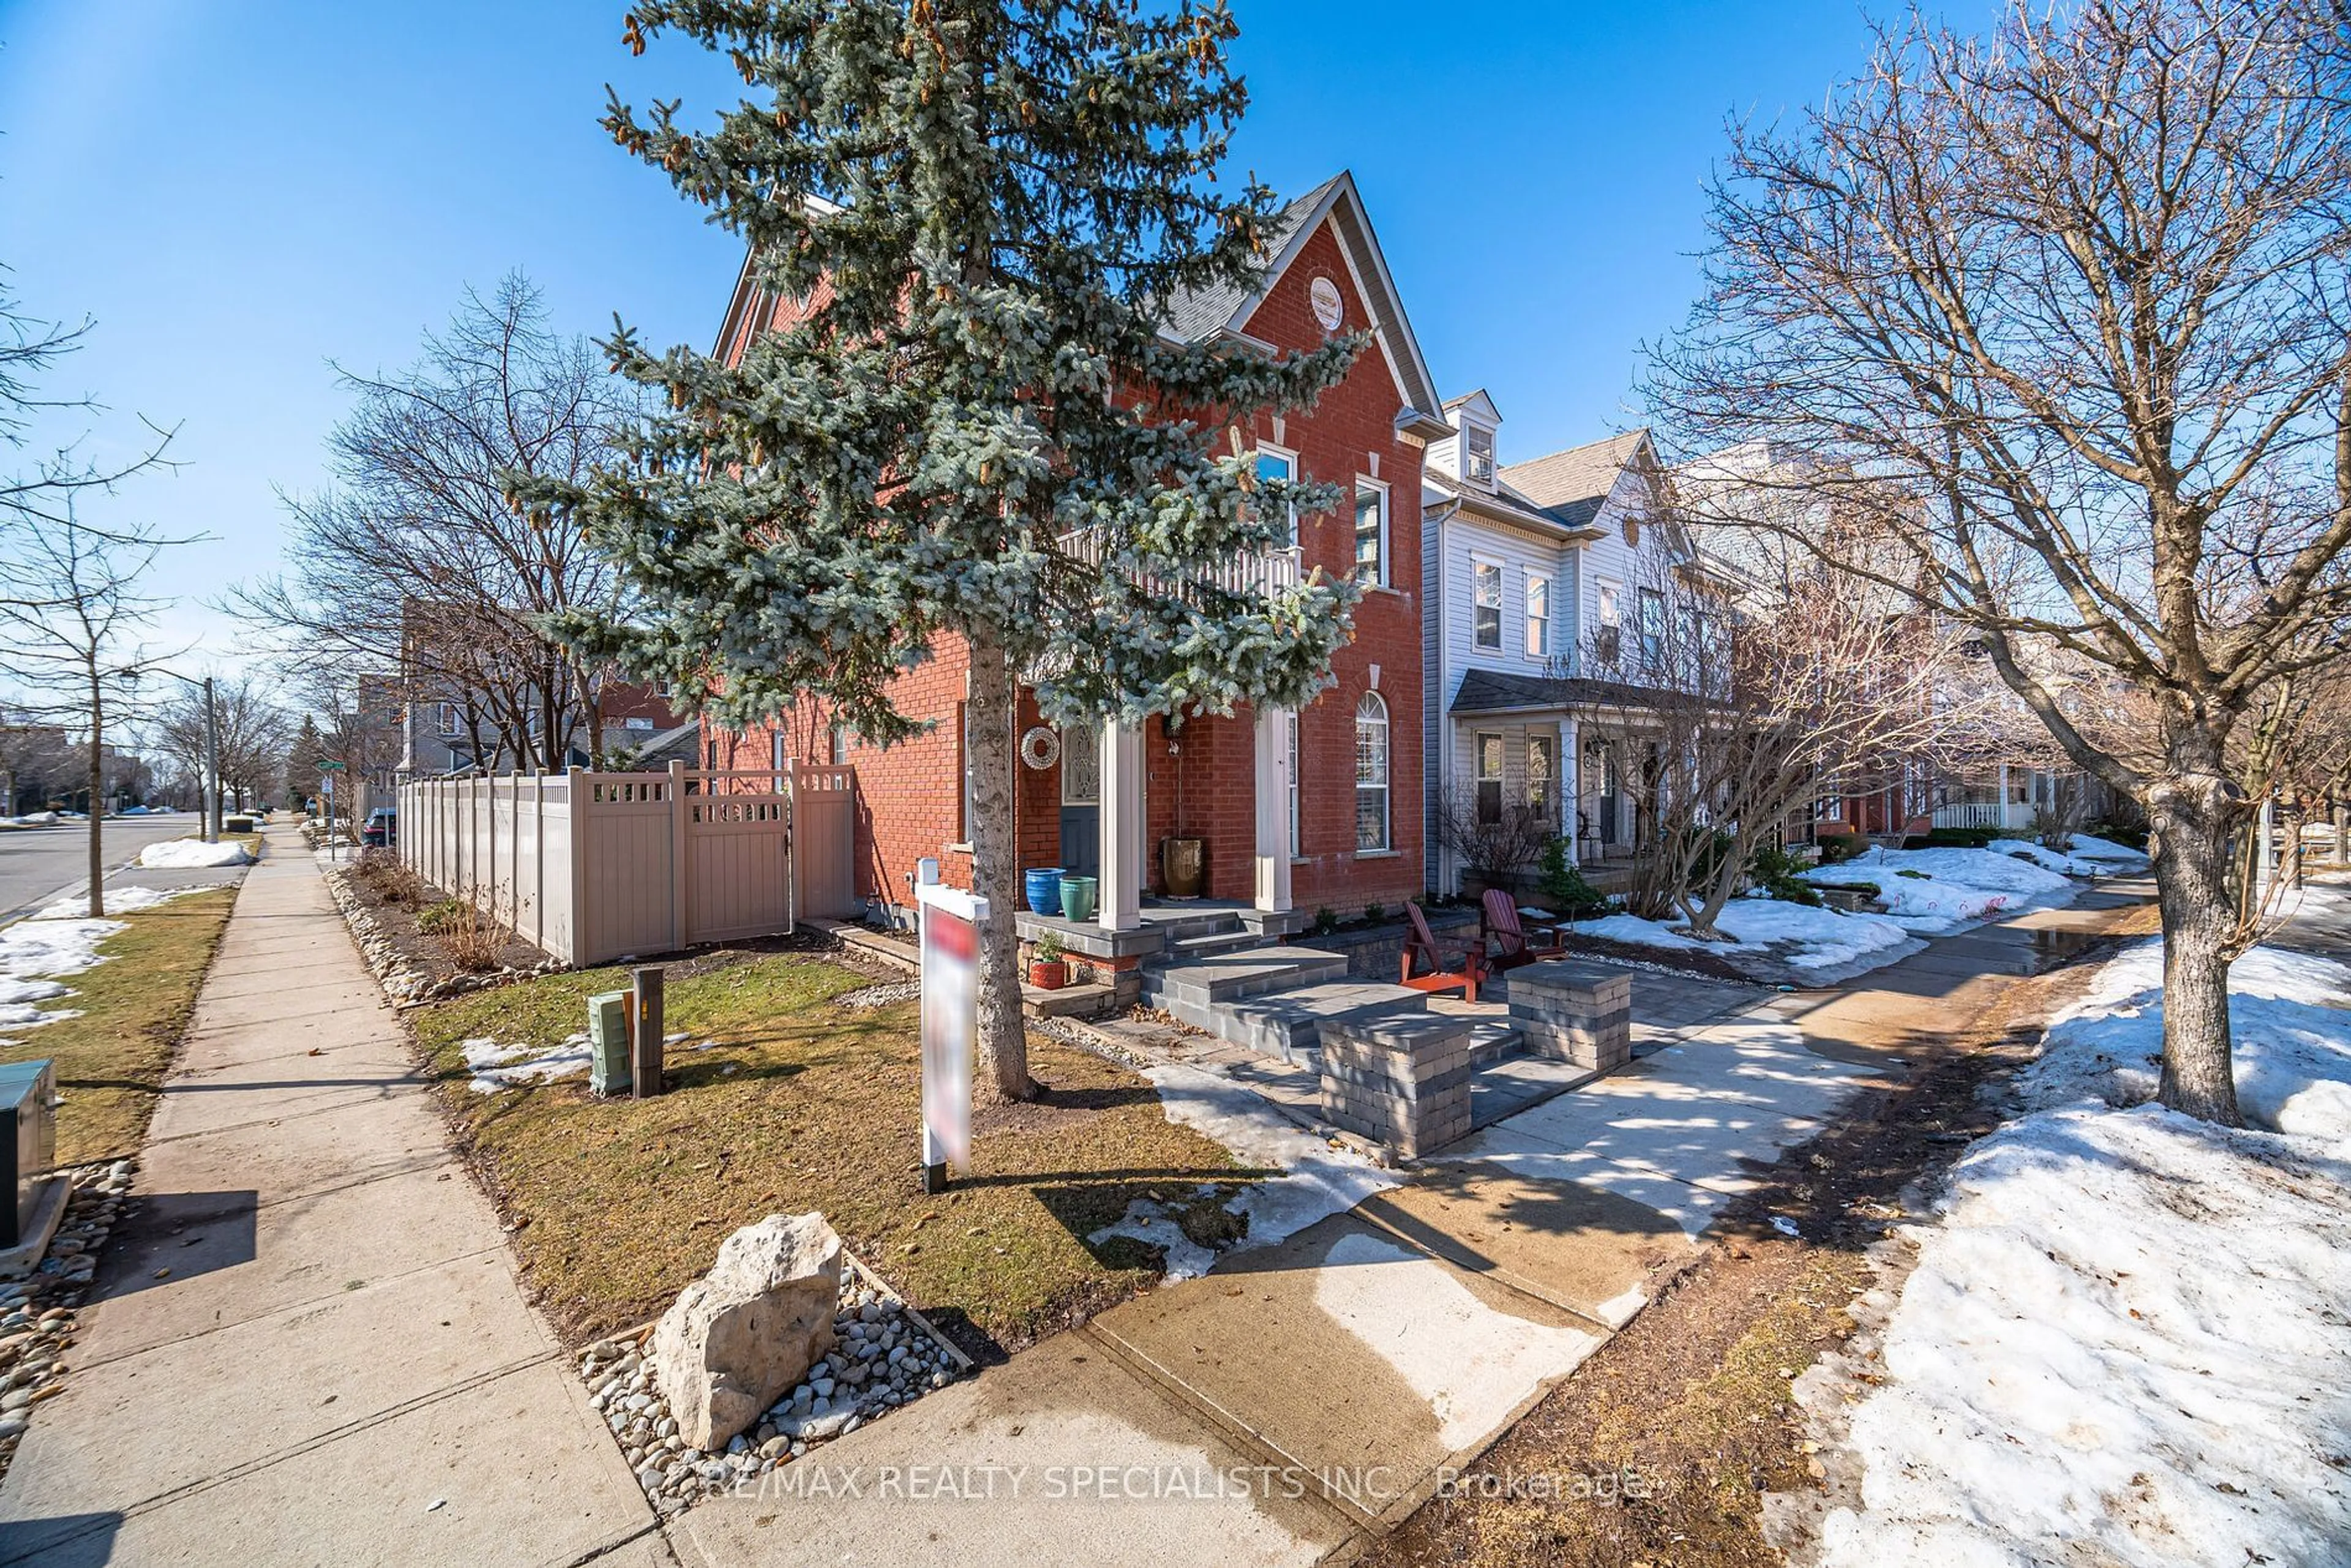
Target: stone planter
(1575,1012)
(1401,1081)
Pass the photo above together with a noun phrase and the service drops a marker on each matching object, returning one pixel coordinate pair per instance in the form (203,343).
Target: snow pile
(2084,856)
(191,854)
(2124,1339)
(496,1067)
(119,901)
(31,820)
(1948,888)
(1318,1178)
(1804,936)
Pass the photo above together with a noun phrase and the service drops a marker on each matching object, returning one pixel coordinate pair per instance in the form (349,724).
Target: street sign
(328,765)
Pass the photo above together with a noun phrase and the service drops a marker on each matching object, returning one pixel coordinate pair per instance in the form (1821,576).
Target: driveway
(38,865)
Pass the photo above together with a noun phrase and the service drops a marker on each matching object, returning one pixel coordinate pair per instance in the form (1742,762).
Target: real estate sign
(950,953)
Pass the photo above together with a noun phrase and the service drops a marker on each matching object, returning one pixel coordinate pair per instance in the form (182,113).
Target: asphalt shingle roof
(1498,691)
(1202,313)
(1571,485)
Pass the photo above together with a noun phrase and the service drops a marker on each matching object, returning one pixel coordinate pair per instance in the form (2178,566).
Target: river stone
(750,1329)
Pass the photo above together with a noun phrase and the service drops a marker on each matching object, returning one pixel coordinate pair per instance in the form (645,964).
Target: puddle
(2054,949)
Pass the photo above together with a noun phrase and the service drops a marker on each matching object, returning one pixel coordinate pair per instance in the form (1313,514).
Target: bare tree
(43,494)
(254,734)
(1753,693)
(2074,294)
(1495,840)
(415,562)
(71,614)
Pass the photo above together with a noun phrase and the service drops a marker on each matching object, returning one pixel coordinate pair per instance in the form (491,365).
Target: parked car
(382,829)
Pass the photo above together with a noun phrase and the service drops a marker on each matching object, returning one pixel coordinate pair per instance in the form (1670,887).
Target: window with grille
(1371,773)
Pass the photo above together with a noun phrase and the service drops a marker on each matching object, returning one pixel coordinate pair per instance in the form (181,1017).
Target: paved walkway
(310,1347)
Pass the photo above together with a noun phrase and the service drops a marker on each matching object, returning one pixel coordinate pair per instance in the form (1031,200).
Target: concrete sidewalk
(309,1344)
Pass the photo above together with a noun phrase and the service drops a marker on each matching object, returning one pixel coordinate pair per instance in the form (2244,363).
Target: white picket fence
(592,867)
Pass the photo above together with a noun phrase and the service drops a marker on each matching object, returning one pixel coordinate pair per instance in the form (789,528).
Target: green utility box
(608,1043)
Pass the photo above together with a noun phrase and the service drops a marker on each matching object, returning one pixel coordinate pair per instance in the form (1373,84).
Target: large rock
(743,1334)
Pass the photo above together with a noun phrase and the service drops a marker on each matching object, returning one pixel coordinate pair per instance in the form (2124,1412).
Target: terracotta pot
(1049,975)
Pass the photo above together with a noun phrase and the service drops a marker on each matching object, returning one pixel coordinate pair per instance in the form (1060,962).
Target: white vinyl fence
(595,866)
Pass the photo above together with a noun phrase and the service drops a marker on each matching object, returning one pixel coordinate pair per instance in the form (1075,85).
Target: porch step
(1229,976)
(1288,1024)
(1180,926)
(1187,948)
(1490,1042)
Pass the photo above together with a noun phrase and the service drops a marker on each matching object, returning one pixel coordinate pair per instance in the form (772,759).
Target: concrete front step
(1229,976)
(1177,928)
(1490,1042)
(1288,1024)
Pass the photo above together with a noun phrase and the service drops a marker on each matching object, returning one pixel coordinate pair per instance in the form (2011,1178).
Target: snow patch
(191,854)
(1948,888)
(2124,1337)
(119,901)
(1807,937)
(496,1067)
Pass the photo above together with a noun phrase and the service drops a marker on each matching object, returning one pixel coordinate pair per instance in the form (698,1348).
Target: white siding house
(1521,564)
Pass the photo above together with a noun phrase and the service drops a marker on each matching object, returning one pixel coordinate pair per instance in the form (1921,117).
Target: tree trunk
(96,804)
(1003,1031)
(2342,834)
(2192,818)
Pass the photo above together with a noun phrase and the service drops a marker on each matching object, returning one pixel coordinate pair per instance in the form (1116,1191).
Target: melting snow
(1950,887)
(191,854)
(1808,939)
(2124,1337)
(1317,1178)
(496,1067)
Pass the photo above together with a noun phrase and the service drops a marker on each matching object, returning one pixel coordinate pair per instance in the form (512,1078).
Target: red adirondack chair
(1468,959)
(1511,944)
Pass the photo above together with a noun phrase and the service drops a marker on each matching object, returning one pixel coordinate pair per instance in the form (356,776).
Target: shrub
(1374,913)
(1564,886)
(1326,921)
(1959,839)
(1774,869)
(1920,875)
(435,918)
(2131,835)
(473,942)
(1048,948)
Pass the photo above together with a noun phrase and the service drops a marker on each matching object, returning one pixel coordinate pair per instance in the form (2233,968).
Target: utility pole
(212,762)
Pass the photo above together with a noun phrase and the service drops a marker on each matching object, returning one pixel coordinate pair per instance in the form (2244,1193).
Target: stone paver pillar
(1402,1080)
(1575,1012)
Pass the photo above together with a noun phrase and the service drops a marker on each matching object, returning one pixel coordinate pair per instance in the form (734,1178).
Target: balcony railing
(1262,573)
(1997,815)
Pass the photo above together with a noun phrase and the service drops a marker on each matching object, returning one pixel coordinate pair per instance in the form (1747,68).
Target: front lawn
(134,1006)
(800,1103)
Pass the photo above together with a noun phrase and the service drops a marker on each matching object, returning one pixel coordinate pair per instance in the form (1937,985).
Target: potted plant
(1047,971)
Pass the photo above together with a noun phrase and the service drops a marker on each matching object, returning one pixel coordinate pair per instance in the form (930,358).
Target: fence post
(577,806)
(791,783)
(677,855)
(538,860)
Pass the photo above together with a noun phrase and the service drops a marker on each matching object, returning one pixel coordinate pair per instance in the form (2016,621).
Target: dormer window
(1478,455)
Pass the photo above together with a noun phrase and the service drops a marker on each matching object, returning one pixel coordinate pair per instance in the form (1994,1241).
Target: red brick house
(1298,810)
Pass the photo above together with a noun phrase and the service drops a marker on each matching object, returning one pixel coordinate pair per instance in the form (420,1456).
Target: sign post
(950,920)
(327,769)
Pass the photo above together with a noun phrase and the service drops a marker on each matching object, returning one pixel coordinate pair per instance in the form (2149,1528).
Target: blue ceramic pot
(1044,890)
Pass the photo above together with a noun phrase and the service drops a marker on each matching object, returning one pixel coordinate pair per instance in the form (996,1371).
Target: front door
(1080,801)
(1612,794)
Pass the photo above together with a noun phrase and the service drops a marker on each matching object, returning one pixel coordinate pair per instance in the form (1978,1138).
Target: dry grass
(134,1006)
(473,940)
(803,1105)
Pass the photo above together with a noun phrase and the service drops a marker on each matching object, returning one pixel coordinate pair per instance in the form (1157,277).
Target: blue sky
(239,193)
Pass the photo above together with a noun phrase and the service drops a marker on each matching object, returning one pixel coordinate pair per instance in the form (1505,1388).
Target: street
(37,863)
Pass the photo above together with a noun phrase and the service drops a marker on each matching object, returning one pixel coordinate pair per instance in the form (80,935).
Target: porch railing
(1261,573)
(1994,814)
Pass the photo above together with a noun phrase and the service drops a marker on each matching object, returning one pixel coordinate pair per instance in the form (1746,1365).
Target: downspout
(1444,719)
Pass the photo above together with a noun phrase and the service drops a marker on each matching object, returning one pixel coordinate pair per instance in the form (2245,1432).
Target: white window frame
(1477,564)
(1608,621)
(449,722)
(1471,432)
(1366,485)
(1387,781)
(1537,627)
(1267,449)
(1479,777)
(1547,803)
(1297,821)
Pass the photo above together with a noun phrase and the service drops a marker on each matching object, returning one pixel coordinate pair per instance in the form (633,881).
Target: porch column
(1570,784)
(1273,808)
(1119,904)
(1999,817)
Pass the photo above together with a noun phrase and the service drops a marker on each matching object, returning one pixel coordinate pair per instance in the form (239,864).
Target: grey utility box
(28,1093)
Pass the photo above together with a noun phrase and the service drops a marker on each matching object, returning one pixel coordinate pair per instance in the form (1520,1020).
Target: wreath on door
(1040,748)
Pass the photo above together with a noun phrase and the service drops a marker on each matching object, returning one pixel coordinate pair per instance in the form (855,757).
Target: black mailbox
(28,1119)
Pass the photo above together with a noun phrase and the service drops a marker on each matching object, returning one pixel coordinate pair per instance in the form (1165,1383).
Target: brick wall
(1201,774)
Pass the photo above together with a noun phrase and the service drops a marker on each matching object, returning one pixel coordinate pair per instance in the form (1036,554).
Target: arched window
(1371,773)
